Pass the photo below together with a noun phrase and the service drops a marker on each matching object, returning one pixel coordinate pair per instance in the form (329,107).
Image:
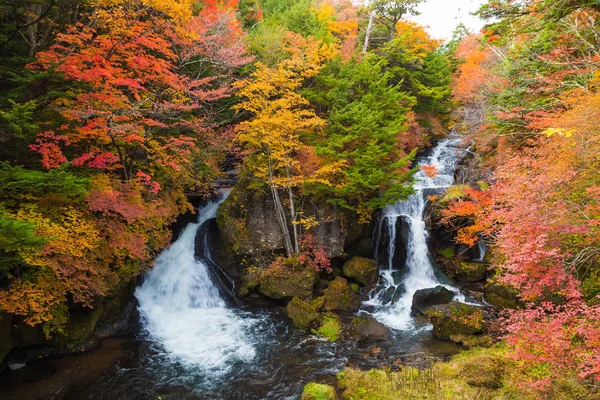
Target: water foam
(182,310)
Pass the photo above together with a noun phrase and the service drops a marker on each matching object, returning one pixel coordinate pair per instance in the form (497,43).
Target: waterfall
(182,310)
(392,300)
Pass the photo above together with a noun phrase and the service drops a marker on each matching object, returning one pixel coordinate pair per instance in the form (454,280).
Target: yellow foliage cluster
(179,10)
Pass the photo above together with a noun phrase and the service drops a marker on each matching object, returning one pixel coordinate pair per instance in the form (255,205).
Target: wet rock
(369,330)
(339,296)
(501,295)
(303,314)
(317,391)
(455,320)
(362,270)
(281,283)
(424,298)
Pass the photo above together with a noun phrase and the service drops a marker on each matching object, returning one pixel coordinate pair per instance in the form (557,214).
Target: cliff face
(247,222)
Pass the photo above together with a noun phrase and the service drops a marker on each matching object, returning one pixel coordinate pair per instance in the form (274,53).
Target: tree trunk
(279,212)
(369,28)
(292,210)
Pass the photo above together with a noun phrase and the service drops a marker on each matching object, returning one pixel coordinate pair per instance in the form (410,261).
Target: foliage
(540,210)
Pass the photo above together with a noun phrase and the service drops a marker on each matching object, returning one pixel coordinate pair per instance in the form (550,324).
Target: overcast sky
(442,16)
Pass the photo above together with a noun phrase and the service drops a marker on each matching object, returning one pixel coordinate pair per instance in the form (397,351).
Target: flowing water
(192,344)
(391,303)
(182,310)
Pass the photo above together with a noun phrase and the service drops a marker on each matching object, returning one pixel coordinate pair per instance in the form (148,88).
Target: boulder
(303,314)
(470,272)
(369,330)
(339,296)
(456,320)
(362,270)
(281,283)
(501,295)
(424,298)
(317,391)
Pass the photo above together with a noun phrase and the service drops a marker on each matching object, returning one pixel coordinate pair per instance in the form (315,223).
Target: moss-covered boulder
(330,327)
(470,272)
(455,319)
(282,282)
(501,295)
(317,391)
(339,296)
(368,329)
(303,314)
(362,270)
(425,298)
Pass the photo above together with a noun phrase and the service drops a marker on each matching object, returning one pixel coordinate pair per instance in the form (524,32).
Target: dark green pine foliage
(427,79)
(365,114)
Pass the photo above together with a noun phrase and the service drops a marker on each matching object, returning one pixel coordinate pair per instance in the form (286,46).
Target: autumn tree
(280,118)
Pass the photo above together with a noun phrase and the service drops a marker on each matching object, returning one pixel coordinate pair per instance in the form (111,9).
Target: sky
(442,16)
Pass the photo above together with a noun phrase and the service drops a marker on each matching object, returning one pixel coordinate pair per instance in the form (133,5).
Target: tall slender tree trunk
(279,211)
(292,209)
(367,36)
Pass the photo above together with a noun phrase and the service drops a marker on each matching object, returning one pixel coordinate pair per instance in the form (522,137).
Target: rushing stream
(182,309)
(391,303)
(192,344)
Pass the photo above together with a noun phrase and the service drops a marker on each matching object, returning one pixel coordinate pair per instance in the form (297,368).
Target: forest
(121,118)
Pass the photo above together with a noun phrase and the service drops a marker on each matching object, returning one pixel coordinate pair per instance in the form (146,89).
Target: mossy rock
(339,296)
(281,283)
(362,270)
(455,319)
(317,391)
(303,314)
(79,328)
(330,327)
(469,272)
(501,295)
(318,303)
(425,298)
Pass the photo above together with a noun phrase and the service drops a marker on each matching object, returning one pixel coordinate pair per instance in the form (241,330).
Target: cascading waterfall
(182,310)
(393,300)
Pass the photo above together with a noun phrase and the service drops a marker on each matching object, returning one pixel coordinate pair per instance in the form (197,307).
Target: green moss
(455,320)
(362,270)
(473,374)
(330,327)
(470,272)
(303,314)
(355,288)
(501,295)
(283,282)
(339,296)
(317,391)
(448,252)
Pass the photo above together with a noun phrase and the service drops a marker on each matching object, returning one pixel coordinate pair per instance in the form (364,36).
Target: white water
(420,273)
(183,311)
